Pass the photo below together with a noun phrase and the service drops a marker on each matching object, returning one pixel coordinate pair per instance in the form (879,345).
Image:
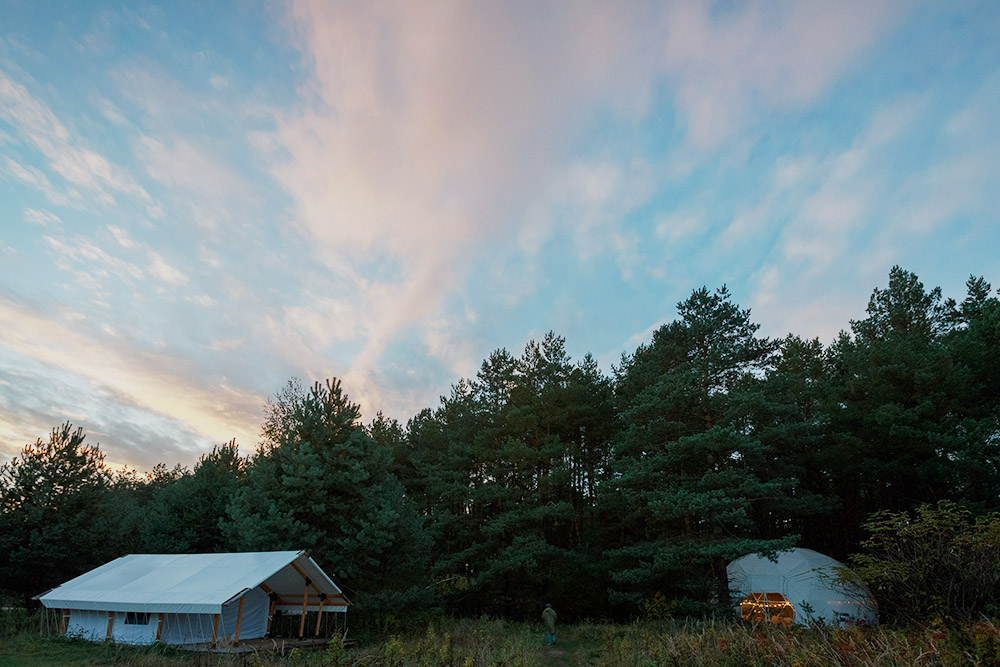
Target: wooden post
(111,622)
(305,603)
(303,575)
(65,622)
(319,614)
(239,618)
(215,628)
(159,626)
(270,612)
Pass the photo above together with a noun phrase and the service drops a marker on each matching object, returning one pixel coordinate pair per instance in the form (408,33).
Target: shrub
(938,566)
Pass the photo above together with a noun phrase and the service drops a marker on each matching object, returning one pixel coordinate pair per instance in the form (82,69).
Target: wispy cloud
(842,219)
(181,164)
(41,217)
(75,163)
(758,56)
(388,191)
(422,159)
(36,179)
(160,385)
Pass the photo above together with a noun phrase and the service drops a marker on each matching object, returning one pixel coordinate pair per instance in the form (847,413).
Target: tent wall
(197,628)
(134,633)
(177,628)
(254,623)
(92,625)
(187,629)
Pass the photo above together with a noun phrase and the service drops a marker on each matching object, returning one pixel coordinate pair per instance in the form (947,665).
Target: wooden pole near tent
(270,613)
(215,628)
(270,610)
(65,622)
(111,623)
(319,614)
(239,618)
(305,604)
(159,626)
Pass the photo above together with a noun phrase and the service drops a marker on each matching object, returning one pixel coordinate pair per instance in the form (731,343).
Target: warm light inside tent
(767,608)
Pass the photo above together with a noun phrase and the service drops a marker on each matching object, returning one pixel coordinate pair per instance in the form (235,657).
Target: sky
(199,201)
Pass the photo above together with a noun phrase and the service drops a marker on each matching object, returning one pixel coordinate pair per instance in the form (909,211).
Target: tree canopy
(543,479)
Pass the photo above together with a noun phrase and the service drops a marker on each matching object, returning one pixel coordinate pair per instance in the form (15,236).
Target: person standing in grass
(549,616)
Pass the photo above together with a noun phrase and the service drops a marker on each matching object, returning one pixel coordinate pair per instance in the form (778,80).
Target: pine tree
(898,387)
(184,513)
(51,501)
(321,483)
(974,345)
(789,411)
(690,473)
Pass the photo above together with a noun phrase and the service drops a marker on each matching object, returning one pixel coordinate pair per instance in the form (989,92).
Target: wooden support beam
(264,587)
(319,614)
(159,626)
(305,603)
(308,580)
(64,625)
(111,623)
(215,628)
(239,618)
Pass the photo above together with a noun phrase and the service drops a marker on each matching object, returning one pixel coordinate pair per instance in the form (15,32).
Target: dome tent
(801,586)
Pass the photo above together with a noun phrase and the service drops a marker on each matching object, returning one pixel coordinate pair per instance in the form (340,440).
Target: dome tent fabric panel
(811,583)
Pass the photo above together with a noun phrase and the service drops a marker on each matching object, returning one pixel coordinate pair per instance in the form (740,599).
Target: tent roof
(192,583)
(790,564)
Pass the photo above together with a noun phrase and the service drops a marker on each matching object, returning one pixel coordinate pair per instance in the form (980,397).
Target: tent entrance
(767,608)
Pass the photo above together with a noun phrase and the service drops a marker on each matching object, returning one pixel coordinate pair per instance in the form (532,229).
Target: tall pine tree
(691,473)
(321,483)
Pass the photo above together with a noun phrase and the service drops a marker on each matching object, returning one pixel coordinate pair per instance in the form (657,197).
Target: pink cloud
(431,124)
(430,132)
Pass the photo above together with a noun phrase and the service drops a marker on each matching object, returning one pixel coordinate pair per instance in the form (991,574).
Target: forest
(544,479)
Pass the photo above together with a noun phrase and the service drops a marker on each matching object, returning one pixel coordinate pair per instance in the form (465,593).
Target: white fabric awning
(195,583)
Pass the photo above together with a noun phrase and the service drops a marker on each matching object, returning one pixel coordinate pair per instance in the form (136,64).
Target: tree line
(543,479)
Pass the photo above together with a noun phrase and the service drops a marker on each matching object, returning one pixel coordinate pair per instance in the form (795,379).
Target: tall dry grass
(491,643)
(738,644)
(27,639)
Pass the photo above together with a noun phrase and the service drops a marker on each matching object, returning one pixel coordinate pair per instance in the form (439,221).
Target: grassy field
(487,643)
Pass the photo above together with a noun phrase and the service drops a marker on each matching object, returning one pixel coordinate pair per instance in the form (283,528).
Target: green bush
(940,565)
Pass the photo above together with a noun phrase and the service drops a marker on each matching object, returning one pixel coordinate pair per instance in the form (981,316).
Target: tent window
(767,608)
(136,618)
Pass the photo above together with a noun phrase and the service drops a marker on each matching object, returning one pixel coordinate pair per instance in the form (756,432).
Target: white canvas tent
(801,587)
(193,598)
